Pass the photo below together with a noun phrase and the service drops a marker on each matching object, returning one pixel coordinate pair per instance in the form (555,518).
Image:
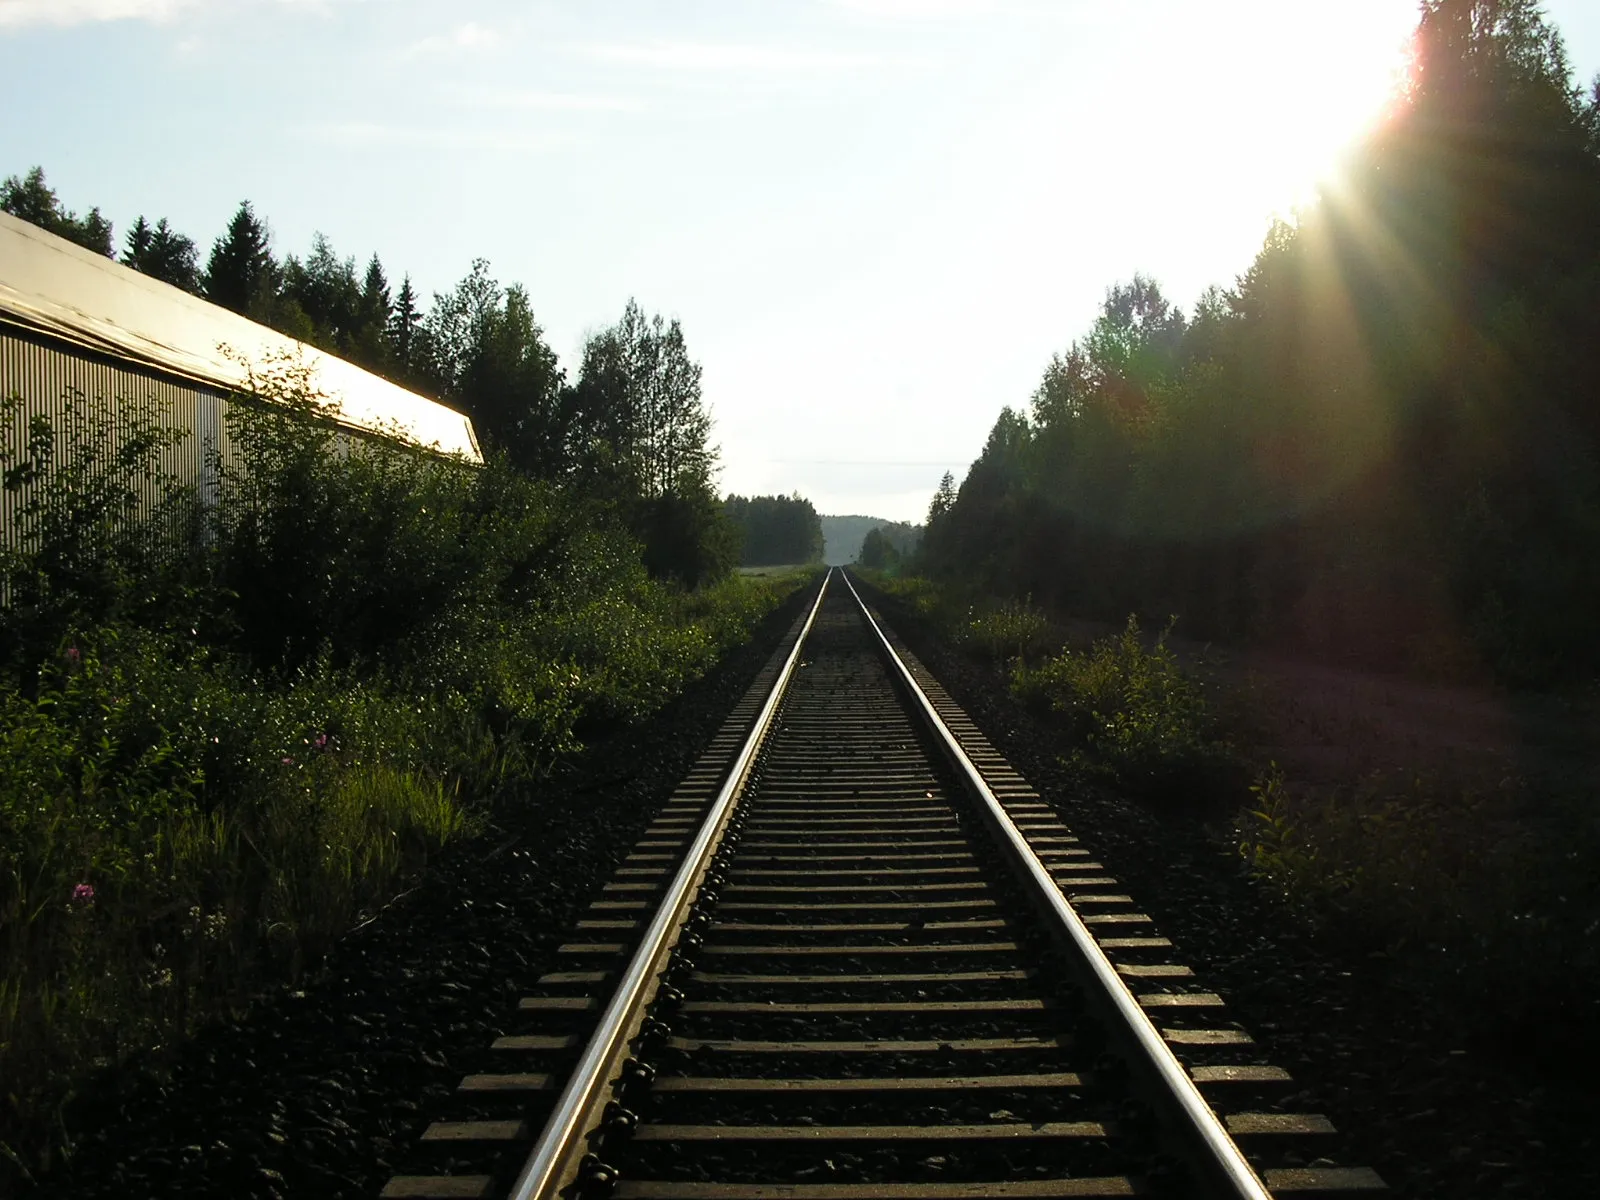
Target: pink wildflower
(287,761)
(73,655)
(320,741)
(83,894)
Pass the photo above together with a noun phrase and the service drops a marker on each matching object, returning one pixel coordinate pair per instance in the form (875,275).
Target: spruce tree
(137,253)
(163,253)
(375,303)
(404,320)
(241,273)
(369,345)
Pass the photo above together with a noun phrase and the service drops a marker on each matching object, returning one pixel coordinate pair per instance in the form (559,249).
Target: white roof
(53,285)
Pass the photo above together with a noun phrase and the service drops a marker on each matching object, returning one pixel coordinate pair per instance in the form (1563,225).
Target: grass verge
(229,731)
(1477,887)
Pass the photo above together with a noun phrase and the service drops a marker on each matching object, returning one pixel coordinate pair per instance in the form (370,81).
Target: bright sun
(1275,92)
(1327,75)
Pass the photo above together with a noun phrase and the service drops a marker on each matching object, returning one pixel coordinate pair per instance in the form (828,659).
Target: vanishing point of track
(857,956)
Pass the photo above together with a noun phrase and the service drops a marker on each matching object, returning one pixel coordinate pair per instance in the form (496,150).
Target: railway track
(857,956)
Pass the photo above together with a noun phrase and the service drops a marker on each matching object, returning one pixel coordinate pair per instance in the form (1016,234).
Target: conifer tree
(163,253)
(370,344)
(375,304)
(403,321)
(241,273)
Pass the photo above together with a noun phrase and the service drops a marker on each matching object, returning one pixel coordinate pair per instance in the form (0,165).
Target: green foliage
(1482,893)
(173,828)
(32,199)
(163,253)
(842,537)
(230,725)
(775,530)
(241,272)
(637,416)
(1009,630)
(93,510)
(1139,718)
(927,600)
(1270,839)
(636,430)
(878,553)
(687,536)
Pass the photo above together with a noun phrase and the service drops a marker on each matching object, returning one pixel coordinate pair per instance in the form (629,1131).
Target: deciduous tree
(32,199)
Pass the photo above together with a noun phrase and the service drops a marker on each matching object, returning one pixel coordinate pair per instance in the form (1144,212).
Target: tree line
(631,428)
(1382,443)
(775,530)
(887,546)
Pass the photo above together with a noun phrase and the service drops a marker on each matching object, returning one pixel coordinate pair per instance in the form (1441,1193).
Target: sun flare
(1302,87)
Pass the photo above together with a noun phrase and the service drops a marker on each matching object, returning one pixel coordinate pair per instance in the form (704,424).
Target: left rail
(557,1157)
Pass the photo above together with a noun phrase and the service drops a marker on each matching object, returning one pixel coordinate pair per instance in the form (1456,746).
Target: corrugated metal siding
(45,372)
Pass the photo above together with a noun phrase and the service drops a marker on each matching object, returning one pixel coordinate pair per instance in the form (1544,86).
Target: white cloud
(18,14)
(370,135)
(524,100)
(731,57)
(916,10)
(61,14)
(470,38)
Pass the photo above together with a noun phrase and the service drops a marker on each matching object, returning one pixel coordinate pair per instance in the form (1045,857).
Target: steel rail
(550,1164)
(1229,1167)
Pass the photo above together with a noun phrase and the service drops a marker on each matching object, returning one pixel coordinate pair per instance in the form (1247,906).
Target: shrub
(1137,716)
(94,519)
(229,730)
(1482,892)
(1009,630)
(171,829)
(923,597)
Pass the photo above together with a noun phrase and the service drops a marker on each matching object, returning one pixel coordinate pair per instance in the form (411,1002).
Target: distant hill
(841,536)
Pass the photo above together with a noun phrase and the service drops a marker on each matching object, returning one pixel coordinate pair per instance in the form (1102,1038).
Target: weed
(1009,630)
(1138,718)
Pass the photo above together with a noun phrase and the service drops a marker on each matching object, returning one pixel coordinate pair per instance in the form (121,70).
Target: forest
(775,530)
(1381,443)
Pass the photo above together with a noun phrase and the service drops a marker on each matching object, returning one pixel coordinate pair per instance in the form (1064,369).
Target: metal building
(72,321)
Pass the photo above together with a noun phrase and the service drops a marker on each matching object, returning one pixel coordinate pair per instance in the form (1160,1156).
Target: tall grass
(229,731)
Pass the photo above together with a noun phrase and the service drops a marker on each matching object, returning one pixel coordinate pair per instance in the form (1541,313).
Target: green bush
(231,726)
(95,518)
(1138,718)
(923,597)
(1009,630)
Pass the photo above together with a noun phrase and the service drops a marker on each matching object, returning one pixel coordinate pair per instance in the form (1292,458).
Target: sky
(876,219)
